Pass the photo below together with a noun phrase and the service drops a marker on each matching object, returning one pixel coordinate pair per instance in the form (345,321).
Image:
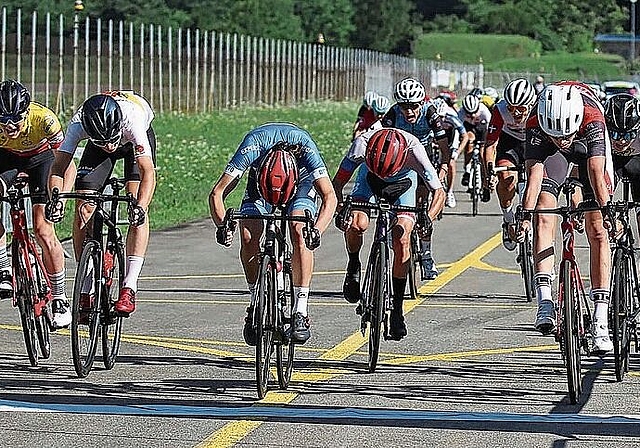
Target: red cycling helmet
(278,177)
(386,153)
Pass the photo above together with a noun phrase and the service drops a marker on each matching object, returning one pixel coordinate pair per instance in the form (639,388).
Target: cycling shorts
(511,149)
(96,165)
(479,129)
(253,203)
(36,166)
(556,169)
(629,166)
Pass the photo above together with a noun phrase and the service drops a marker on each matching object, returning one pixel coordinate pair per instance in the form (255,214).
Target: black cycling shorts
(36,166)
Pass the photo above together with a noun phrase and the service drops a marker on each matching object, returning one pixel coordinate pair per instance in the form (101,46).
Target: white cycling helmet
(560,110)
(441,106)
(519,92)
(380,105)
(492,93)
(409,90)
(471,104)
(367,101)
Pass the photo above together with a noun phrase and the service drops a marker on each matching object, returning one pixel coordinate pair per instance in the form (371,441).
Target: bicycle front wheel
(621,303)
(414,274)
(476,184)
(378,288)
(85,318)
(24,297)
(41,289)
(113,271)
(285,350)
(571,336)
(263,320)
(525,258)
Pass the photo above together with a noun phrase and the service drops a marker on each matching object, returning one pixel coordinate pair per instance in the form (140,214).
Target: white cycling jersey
(136,119)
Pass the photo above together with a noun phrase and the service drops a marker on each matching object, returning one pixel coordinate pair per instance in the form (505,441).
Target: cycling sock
(425,247)
(508,215)
(252,293)
(542,283)
(4,259)
(467,168)
(600,299)
(134,267)
(302,295)
(57,285)
(399,285)
(354,262)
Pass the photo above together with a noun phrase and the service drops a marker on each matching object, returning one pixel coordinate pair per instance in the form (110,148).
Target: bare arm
(535,173)
(147,181)
(595,169)
(220,190)
(61,164)
(325,215)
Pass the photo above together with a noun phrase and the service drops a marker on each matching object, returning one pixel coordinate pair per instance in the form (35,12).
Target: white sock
(600,299)
(57,285)
(542,283)
(508,215)
(134,267)
(252,294)
(467,168)
(425,247)
(302,296)
(4,259)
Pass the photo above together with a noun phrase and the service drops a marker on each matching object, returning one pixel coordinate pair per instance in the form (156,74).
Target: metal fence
(65,59)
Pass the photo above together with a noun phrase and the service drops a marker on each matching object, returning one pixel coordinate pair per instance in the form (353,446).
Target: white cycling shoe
(601,341)
(61,313)
(546,317)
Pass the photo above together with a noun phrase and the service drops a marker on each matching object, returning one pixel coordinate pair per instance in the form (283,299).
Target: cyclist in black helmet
(30,133)
(116,125)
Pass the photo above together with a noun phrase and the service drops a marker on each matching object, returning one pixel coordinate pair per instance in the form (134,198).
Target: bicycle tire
(526,266)
(414,274)
(111,321)
(42,323)
(285,351)
(24,296)
(571,335)
(85,322)
(262,320)
(377,297)
(475,188)
(619,311)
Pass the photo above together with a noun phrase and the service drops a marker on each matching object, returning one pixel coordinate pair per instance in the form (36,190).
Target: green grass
(194,149)
(469,48)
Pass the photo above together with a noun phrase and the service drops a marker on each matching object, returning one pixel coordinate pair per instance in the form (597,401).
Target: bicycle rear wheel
(619,312)
(414,274)
(113,271)
(525,259)
(571,336)
(285,350)
(85,317)
(24,297)
(263,317)
(376,302)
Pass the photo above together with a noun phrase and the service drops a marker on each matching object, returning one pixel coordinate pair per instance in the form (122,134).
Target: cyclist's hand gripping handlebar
(310,232)
(54,208)
(224,233)
(343,217)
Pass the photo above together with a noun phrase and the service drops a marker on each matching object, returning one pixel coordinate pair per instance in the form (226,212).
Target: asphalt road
(471,372)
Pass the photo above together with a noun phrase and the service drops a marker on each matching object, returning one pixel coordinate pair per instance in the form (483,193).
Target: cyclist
(379,106)
(455,131)
(475,116)
(539,84)
(394,160)
(505,147)
(622,115)
(490,97)
(412,114)
(569,126)
(366,115)
(313,182)
(30,133)
(116,125)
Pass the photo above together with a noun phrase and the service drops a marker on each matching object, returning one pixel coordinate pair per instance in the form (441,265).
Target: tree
(384,25)
(332,18)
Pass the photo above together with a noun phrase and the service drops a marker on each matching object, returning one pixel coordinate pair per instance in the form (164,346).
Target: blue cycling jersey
(427,127)
(257,143)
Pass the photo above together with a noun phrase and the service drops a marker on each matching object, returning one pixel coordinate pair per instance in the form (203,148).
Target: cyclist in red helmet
(275,154)
(394,159)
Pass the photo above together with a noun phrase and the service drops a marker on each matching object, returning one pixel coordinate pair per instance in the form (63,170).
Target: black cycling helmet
(621,113)
(101,119)
(14,98)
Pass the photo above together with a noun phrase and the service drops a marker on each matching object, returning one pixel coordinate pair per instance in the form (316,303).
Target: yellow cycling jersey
(41,131)
(488,101)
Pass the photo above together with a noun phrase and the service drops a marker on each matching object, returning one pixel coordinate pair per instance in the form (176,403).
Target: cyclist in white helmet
(569,127)
(413,114)
(505,147)
(379,106)
(475,116)
(366,115)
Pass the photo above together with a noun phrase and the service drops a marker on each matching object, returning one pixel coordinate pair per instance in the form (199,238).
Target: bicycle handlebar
(56,195)
(381,205)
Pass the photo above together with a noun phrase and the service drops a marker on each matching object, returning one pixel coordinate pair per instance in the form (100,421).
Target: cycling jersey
(482,116)
(451,123)
(40,131)
(260,140)
(137,116)
(502,122)
(417,160)
(365,119)
(426,128)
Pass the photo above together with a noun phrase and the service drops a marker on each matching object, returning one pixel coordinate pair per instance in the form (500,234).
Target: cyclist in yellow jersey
(29,135)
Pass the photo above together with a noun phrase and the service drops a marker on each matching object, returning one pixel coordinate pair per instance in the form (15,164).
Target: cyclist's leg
(7,175)
(600,268)
(401,237)
(471,140)
(354,237)
(508,154)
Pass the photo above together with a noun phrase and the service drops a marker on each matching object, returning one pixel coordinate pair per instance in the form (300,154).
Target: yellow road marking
(411,359)
(233,432)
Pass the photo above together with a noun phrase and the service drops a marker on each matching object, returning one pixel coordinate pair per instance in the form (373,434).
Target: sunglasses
(407,106)
(517,110)
(626,136)
(12,119)
(103,143)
